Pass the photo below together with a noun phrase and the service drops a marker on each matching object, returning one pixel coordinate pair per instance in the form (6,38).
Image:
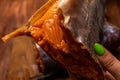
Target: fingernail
(99,49)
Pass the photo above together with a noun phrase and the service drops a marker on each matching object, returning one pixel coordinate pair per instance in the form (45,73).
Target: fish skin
(77,36)
(83,29)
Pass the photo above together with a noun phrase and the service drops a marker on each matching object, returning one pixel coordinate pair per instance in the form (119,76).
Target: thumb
(107,60)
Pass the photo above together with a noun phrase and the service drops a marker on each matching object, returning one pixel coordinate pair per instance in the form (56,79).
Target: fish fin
(40,12)
(20,31)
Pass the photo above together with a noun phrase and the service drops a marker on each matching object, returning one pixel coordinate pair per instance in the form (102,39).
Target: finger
(108,60)
(109,76)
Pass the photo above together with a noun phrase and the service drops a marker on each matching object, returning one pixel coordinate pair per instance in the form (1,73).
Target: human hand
(109,62)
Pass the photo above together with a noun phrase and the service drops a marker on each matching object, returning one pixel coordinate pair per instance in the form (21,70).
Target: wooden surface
(16,56)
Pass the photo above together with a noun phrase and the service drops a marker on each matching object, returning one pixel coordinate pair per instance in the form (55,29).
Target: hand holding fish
(109,62)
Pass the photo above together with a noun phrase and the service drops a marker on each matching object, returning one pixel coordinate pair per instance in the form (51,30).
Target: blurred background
(16,55)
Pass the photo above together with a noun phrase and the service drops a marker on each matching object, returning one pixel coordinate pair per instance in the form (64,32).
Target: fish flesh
(67,30)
